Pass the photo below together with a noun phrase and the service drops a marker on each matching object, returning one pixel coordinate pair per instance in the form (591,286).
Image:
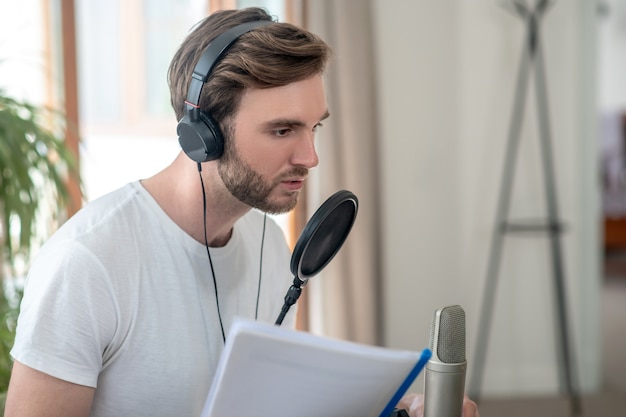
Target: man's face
(272,146)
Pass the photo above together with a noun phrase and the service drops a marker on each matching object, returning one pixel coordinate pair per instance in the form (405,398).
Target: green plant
(35,166)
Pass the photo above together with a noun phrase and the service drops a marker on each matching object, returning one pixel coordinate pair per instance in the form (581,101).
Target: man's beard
(249,187)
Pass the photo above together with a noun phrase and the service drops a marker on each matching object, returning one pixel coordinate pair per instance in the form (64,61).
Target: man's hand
(414,404)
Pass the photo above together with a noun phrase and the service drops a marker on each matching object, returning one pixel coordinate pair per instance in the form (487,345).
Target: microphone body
(444,379)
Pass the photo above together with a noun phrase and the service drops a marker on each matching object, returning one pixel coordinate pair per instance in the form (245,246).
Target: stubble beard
(249,187)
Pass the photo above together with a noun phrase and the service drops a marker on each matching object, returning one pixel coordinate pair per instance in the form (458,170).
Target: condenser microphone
(444,380)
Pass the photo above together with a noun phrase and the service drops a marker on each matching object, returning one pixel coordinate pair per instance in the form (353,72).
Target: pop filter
(319,242)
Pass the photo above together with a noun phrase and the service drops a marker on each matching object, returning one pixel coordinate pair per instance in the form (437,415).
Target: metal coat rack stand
(531,60)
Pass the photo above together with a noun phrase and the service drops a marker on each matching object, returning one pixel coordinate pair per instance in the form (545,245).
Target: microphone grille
(447,331)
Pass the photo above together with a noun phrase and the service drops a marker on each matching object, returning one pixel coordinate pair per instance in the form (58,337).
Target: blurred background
(421,95)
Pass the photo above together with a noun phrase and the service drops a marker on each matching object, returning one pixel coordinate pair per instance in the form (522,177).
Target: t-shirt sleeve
(67,315)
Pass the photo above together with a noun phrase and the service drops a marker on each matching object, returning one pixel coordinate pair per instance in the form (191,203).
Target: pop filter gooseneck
(321,239)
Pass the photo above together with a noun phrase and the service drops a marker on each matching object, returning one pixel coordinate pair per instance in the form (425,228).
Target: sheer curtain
(344,301)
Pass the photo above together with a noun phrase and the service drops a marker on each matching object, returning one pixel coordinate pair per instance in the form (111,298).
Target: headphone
(199,134)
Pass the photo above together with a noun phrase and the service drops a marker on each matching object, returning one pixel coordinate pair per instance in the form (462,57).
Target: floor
(611,402)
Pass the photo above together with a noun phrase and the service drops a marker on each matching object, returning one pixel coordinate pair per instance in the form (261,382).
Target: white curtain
(344,301)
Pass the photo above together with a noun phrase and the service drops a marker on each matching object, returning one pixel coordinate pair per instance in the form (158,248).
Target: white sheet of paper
(270,371)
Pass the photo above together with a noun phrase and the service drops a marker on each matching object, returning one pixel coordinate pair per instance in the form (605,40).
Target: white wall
(612,56)
(446,79)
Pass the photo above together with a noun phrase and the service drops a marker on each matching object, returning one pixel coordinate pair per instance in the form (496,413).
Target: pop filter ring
(322,215)
(307,237)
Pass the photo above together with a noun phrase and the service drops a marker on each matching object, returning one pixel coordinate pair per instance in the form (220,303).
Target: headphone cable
(258,292)
(206,244)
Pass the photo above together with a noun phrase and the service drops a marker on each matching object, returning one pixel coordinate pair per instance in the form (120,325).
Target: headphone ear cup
(200,139)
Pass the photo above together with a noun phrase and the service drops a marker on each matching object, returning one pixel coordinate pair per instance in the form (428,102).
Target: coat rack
(531,60)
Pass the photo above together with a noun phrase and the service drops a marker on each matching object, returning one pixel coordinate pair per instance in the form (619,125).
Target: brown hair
(268,56)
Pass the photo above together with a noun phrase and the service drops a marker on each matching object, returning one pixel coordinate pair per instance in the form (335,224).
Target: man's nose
(305,154)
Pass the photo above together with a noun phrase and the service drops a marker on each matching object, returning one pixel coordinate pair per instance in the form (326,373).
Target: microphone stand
(293,293)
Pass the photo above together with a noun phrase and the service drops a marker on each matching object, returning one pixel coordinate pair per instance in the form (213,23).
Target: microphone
(444,380)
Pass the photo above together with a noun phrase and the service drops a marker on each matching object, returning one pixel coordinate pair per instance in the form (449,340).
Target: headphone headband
(212,55)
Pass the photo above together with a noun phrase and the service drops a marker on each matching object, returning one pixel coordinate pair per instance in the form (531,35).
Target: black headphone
(199,134)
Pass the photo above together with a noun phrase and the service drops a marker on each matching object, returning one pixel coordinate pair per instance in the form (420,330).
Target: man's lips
(293,184)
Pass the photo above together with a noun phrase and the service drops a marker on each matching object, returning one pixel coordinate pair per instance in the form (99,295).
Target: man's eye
(282,132)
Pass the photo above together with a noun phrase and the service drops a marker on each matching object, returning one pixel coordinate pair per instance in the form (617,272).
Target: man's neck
(178,191)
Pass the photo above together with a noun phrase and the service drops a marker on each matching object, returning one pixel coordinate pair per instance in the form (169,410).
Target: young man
(126,308)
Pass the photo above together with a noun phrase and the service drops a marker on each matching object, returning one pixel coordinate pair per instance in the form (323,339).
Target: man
(127,307)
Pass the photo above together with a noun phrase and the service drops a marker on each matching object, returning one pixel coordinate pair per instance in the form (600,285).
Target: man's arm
(33,393)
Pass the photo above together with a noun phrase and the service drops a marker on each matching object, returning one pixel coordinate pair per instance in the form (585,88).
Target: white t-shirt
(122,299)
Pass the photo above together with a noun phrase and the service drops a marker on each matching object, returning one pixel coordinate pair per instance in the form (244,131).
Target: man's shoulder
(102,212)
